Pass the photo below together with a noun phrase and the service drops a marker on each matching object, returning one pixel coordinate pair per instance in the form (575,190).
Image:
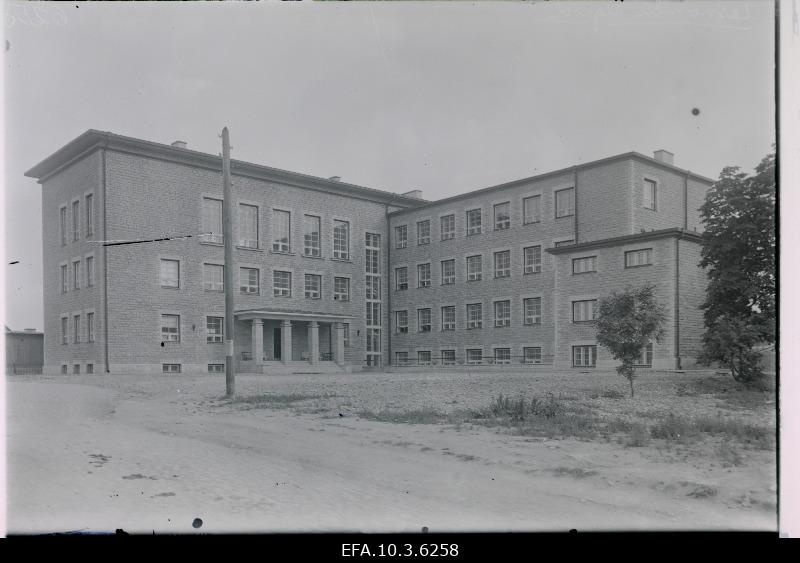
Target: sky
(441,97)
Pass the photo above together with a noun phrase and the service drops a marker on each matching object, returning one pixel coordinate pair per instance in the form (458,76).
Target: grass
(683,430)
(417,416)
(271,400)
(575,472)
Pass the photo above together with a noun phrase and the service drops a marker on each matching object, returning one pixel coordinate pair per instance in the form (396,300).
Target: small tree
(627,321)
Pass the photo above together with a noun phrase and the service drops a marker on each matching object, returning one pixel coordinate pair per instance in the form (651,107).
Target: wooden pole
(227,222)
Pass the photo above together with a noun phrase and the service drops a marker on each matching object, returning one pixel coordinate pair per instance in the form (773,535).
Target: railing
(459,361)
(324,357)
(24,369)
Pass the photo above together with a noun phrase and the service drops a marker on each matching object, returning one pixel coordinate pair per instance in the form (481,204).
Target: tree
(627,321)
(739,254)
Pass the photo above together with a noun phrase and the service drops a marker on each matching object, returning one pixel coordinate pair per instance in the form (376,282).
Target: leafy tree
(739,254)
(627,321)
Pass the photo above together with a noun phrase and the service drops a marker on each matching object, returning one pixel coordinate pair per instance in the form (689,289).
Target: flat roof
(626,239)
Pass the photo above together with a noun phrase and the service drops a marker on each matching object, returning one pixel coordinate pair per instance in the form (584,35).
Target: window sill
(346,260)
(474,234)
(249,293)
(423,243)
(564,216)
(502,277)
(533,324)
(583,273)
(423,287)
(531,273)
(249,248)
(283,296)
(448,238)
(502,229)
(475,280)
(208,243)
(313,257)
(532,223)
(281,252)
(313,298)
(638,266)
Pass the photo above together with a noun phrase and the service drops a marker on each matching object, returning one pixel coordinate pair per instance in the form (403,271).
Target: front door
(276,343)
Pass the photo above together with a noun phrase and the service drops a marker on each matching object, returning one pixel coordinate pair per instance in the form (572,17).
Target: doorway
(276,343)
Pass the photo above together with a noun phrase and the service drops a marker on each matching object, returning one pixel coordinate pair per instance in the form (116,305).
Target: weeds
(575,472)
(256,401)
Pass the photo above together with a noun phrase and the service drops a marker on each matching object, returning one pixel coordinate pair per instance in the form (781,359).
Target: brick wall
(693,282)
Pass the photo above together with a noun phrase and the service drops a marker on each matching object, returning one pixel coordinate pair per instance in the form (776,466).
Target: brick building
(335,276)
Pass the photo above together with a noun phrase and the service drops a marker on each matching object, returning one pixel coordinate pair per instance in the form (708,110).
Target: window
(64,369)
(76,220)
(564,242)
(213,330)
(474,222)
(532,355)
(474,315)
(170,273)
(502,313)
(89,327)
(281,231)
(401,278)
(584,265)
(424,320)
(448,357)
(474,268)
(341,240)
(424,358)
(401,236)
(373,313)
(249,280)
(423,232)
(76,329)
(401,321)
(401,358)
(248,226)
(565,203)
(216,368)
(89,368)
(643,257)
(449,318)
(64,330)
(373,244)
(213,277)
(281,284)
(341,289)
(373,345)
(76,275)
(649,194)
(447,225)
(313,286)
(211,220)
(502,355)
(311,236)
(170,368)
(474,356)
(448,272)
(532,309)
(76,369)
(346,334)
(64,278)
(63,215)
(502,216)
(532,209)
(584,356)
(584,311)
(170,328)
(373,287)
(645,359)
(532,257)
(90,271)
(424,275)
(502,264)
(89,215)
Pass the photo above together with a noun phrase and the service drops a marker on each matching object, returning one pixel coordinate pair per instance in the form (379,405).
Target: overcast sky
(444,98)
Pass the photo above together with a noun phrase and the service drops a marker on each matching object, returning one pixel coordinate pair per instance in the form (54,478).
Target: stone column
(286,341)
(338,343)
(257,341)
(313,342)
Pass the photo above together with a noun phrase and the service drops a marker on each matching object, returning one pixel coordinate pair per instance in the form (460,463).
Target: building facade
(335,276)
(24,351)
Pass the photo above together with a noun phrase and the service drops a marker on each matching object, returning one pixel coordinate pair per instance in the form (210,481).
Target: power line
(142,241)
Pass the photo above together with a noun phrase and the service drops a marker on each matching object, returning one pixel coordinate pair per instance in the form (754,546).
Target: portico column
(338,343)
(313,342)
(257,341)
(286,341)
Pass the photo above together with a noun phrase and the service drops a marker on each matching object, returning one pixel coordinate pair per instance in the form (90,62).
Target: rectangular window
(76,220)
(424,320)
(311,236)
(584,265)
(373,287)
(502,264)
(346,334)
(474,268)
(63,215)
(64,283)
(532,310)
(216,368)
(90,271)
(76,275)
(170,368)
(64,330)
(649,195)
(76,369)
(373,261)
(564,242)
(213,277)
(401,358)
(643,257)
(401,236)
(341,240)
(76,329)
(170,328)
(532,355)
(532,256)
(474,222)
(584,311)
(374,342)
(424,275)
(401,278)
(532,209)
(341,289)
(401,321)
(448,357)
(475,315)
(423,232)
(424,358)
(502,355)
(89,368)
(170,273)
(89,215)
(211,221)
(502,216)
(474,356)
(449,318)
(281,284)
(281,231)
(565,203)
(646,357)
(448,272)
(248,226)
(249,280)
(90,327)
(447,225)
(313,288)
(214,330)
(373,314)
(64,369)
(502,313)
(584,356)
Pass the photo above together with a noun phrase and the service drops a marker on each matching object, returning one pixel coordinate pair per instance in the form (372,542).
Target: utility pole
(227,234)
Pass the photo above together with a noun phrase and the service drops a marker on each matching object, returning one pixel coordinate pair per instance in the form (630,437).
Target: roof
(298,314)
(626,239)
(92,140)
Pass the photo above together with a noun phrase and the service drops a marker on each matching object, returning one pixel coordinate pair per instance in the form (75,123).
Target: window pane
(211,220)
(341,240)
(281,227)
(311,236)
(170,274)
(502,216)
(532,209)
(565,202)
(282,283)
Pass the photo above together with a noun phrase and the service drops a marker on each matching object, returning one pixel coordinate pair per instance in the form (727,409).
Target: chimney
(335,178)
(179,144)
(664,156)
(416,194)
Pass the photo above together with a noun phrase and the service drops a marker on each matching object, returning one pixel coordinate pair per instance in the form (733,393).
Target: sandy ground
(155,453)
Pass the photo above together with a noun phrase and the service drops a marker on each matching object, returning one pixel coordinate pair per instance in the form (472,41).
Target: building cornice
(627,239)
